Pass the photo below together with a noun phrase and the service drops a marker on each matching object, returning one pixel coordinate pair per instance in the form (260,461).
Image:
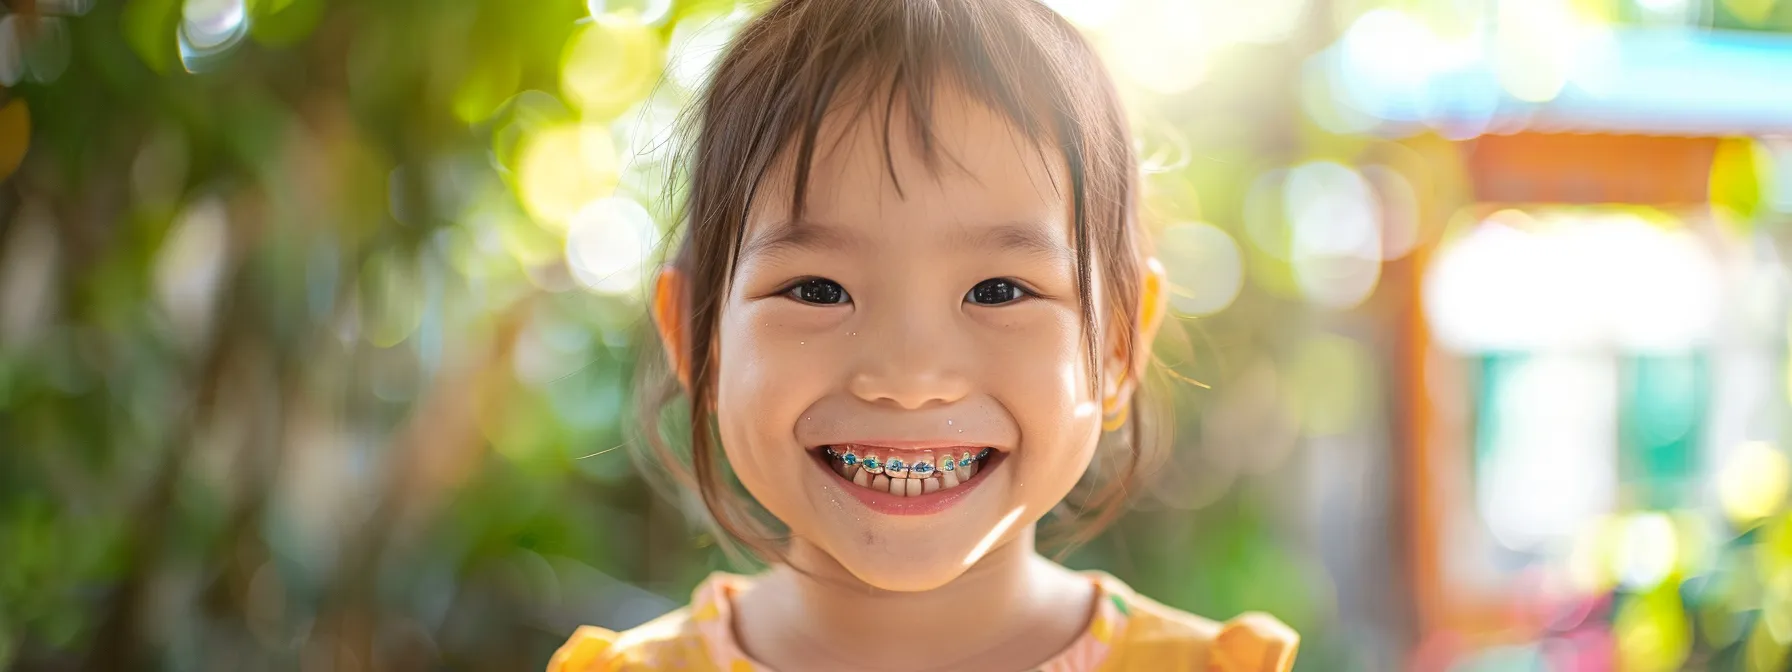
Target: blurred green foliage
(304,383)
(299,368)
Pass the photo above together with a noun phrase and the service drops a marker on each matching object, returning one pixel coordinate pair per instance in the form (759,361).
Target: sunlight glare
(989,540)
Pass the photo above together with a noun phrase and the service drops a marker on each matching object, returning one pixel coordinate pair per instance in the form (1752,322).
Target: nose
(910,361)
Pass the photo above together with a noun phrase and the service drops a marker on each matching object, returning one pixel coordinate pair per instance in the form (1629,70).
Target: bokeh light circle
(208,28)
(1534,48)
(647,133)
(1648,551)
(1390,57)
(697,43)
(208,24)
(390,299)
(609,243)
(50,49)
(1335,233)
(648,12)
(563,167)
(1753,482)
(609,64)
(190,268)
(1205,268)
(1652,632)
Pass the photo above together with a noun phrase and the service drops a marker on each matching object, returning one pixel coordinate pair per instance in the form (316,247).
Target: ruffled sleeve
(1152,637)
(1253,642)
(688,639)
(588,650)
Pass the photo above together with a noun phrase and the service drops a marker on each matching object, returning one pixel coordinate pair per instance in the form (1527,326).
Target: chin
(905,572)
(905,556)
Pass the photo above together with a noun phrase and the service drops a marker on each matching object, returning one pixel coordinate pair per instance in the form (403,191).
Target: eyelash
(795,292)
(1018,292)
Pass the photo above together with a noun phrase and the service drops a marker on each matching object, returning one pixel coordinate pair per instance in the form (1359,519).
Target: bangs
(791,68)
(897,58)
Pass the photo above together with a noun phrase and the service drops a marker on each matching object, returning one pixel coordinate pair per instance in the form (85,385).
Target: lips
(907,473)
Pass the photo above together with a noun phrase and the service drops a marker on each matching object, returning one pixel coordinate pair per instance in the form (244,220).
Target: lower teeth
(896,475)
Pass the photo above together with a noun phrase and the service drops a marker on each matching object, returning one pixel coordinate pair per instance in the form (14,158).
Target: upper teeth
(897,475)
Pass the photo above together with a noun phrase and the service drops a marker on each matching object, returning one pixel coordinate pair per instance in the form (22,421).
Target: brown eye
(820,291)
(995,292)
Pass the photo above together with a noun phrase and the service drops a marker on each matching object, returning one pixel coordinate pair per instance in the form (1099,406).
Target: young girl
(912,297)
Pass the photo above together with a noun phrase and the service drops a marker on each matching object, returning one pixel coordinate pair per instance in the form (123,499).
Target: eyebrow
(812,236)
(1023,237)
(791,236)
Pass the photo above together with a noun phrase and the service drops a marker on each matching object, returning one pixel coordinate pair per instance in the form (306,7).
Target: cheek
(767,376)
(769,356)
(1038,369)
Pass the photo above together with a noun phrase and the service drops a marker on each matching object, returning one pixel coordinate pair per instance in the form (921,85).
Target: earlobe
(1153,302)
(671,319)
(1117,389)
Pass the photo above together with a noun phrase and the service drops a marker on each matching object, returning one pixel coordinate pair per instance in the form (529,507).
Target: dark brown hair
(765,103)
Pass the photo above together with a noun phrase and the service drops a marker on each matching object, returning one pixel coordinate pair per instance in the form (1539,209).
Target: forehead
(968,171)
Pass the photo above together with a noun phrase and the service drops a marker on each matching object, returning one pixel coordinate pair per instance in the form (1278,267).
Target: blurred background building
(319,323)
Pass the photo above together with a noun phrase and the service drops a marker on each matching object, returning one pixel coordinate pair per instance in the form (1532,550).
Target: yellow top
(1128,632)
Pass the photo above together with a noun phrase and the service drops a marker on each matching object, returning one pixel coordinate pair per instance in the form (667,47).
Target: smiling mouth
(907,473)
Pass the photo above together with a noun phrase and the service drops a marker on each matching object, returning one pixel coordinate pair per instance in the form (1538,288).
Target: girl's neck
(1013,608)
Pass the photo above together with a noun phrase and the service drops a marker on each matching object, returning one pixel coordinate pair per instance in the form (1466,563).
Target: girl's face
(910,328)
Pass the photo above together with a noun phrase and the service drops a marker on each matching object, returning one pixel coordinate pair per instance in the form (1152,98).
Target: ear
(673,321)
(1127,363)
